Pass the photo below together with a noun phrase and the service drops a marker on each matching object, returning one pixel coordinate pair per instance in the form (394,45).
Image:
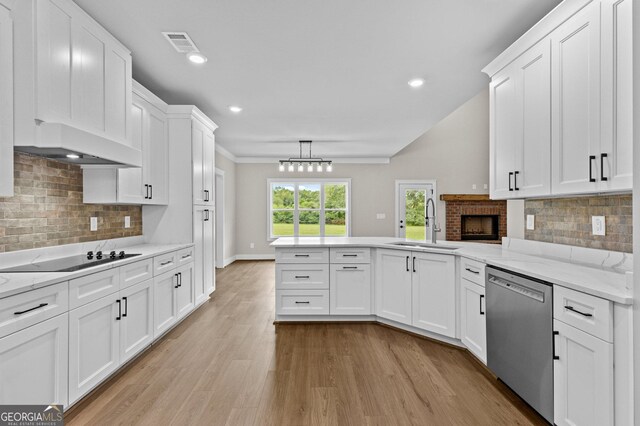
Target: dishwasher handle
(517,288)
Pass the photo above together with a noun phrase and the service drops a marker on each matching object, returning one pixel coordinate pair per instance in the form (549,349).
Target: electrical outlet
(474,186)
(598,225)
(94,223)
(486,186)
(127,221)
(381,216)
(252,245)
(530,222)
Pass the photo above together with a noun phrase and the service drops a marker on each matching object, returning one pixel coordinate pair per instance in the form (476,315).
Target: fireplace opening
(479,227)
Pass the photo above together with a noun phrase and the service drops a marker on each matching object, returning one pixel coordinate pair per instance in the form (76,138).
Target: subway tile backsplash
(568,221)
(47,210)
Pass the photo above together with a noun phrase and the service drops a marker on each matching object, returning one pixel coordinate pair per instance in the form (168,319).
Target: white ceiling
(333,71)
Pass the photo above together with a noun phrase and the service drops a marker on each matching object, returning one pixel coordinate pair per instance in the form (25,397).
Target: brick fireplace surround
(458,205)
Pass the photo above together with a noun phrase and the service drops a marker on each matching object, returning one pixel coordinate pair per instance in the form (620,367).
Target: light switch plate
(127,221)
(474,186)
(381,216)
(252,245)
(598,225)
(94,223)
(530,222)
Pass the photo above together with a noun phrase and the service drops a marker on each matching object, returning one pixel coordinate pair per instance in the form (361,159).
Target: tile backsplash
(47,210)
(568,221)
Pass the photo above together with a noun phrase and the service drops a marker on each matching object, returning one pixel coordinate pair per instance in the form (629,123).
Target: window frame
(296,182)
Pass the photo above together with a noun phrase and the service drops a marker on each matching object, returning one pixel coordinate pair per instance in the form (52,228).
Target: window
(309,208)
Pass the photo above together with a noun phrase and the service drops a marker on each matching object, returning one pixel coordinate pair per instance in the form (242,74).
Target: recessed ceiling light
(416,82)
(196,57)
(73,156)
(235,108)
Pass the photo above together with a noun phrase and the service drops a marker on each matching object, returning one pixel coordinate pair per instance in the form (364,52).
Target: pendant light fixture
(309,160)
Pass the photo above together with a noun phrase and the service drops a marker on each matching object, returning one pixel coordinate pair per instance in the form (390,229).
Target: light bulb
(281,167)
(300,167)
(329,167)
(310,167)
(290,167)
(319,168)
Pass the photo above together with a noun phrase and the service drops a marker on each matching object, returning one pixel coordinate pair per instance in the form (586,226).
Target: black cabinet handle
(407,263)
(180,279)
(151,192)
(349,255)
(481,311)
(515,181)
(555,333)
(591,160)
(146,191)
(306,277)
(126,306)
(413,265)
(119,309)
(350,267)
(300,255)
(166,263)
(206,215)
(572,309)
(176,286)
(471,270)
(301,303)
(602,176)
(206,195)
(510,174)
(42,305)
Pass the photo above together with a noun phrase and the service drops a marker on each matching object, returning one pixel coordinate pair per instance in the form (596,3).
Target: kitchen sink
(410,244)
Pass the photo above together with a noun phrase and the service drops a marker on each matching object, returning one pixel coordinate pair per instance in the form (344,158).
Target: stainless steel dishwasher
(520,336)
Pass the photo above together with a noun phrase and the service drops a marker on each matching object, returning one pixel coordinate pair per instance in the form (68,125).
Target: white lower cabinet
(350,289)
(136,328)
(203,240)
(583,378)
(393,285)
(433,293)
(185,293)
(34,364)
(94,344)
(473,322)
(174,297)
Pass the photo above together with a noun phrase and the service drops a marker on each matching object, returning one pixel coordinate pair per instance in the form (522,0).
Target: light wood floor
(229,364)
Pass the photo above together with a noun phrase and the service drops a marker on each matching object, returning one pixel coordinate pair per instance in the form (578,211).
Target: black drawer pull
(184,256)
(166,263)
(299,277)
(349,255)
(472,271)
(302,303)
(42,305)
(572,309)
(350,267)
(301,255)
(555,333)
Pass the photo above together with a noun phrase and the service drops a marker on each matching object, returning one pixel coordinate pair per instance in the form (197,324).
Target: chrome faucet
(434,228)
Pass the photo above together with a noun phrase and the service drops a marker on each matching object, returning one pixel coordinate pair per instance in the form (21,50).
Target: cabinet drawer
(302,277)
(92,287)
(185,256)
(25,309)
(136,272)
(302,255)
(164,263)
(590,314)
(302,302)
(350,255)
(472,270)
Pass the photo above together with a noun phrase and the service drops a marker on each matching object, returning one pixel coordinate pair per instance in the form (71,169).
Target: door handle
(206,195)
(119,310)
(510,174)
(515,181)
(413,266)
(602,176)
(176,286)
(555,333)
(151,192)
(206,215)
(146,191)
(481,311)
(407,263)
(591,160)
(126,307)
(179,279)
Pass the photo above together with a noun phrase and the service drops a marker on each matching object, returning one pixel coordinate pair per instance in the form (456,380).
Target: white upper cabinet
(6,106)
(74,83)
(561,104)
(203,146)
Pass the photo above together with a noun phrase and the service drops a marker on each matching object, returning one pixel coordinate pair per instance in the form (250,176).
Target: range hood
(56,141)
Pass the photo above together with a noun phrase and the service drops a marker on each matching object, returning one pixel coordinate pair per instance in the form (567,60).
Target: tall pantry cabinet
(189,216)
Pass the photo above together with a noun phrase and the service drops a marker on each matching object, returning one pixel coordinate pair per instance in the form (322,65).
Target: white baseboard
(265,256)
(228,261)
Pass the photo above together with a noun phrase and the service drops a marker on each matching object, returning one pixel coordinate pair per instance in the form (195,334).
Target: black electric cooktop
(72,263)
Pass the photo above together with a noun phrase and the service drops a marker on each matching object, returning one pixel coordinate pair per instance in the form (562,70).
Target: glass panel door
(412,211)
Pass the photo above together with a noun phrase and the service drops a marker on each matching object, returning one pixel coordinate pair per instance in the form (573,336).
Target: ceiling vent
(180,41)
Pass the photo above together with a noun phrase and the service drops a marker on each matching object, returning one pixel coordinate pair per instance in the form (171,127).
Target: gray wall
(229,168)
(455,152)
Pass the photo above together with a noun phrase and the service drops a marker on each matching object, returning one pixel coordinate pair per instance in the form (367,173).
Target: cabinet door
(582,378)
(185,293)
(197,145)
(532,174)
(350,289)
(136,327)
(6,106)
(393,285)
(504,133)
(34,364)
(473,328)
(209,167)
(157,168)
(575,102)
(203,248)
(164,302)
(433,293)
(94,344)
(616,151)
(209,278)
(118,94)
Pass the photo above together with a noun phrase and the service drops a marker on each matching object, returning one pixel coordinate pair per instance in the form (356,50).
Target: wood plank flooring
(228,364)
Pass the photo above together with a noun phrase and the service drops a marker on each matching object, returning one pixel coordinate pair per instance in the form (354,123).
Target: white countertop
(605,282)
(19,282)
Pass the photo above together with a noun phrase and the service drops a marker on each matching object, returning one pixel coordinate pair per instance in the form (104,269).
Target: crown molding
(226,153)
